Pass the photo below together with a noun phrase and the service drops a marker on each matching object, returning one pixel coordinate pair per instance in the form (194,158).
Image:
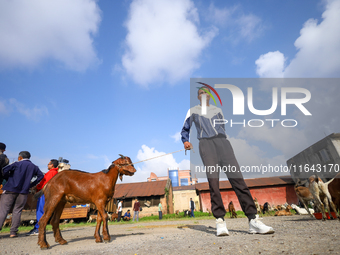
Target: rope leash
(191,148)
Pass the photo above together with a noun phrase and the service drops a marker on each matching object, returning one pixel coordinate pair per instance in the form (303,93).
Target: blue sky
(88,80)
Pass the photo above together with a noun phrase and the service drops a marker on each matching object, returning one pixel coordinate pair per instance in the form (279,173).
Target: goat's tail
(40,193)
(329,181)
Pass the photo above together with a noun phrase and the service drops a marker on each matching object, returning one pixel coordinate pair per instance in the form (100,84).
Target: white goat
(302,211)
(321,195)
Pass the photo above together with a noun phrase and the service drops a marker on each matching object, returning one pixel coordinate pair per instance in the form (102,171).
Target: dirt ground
(294,235)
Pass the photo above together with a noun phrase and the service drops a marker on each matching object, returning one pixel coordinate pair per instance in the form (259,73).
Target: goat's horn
(121,156)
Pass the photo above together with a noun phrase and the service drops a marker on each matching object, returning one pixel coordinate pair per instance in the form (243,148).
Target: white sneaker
(221,227)
(258,227)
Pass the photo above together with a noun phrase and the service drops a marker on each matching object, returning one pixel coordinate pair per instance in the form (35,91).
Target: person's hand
(187,145)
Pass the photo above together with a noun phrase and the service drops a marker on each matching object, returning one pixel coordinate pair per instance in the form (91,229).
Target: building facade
(177,177)
(274,190)
(149,194)
(182,195)
(321,158)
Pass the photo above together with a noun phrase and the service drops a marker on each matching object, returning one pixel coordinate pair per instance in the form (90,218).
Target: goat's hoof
(99,240)
(45,247)
(106,241)
(62,242)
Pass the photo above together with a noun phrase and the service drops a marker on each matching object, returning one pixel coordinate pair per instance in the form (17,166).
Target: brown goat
(321,195)
(80,187)
(114,217)
(304,196)
(231,210)
(334,190)
(285,212)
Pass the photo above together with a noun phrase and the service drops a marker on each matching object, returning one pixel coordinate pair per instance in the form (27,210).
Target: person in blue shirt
(15,191)
(127,215)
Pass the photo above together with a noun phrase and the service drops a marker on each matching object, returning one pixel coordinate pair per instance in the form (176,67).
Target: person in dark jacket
(192,207)
(15,191)
(3,160)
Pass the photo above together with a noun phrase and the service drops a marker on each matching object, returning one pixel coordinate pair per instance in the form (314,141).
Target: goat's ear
(121,177)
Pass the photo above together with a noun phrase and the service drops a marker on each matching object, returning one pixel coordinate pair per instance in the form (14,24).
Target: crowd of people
(127,216)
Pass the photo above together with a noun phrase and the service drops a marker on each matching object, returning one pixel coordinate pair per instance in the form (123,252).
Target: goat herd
(312,192)
(320,195)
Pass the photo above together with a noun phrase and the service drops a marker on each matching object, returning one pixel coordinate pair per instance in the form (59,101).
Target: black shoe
(33,232)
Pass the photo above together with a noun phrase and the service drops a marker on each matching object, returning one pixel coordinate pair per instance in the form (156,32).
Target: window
(184,182)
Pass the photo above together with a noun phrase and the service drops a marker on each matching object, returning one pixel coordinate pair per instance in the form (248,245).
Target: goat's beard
(121,176)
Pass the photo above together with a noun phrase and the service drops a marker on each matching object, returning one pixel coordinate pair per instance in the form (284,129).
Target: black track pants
(218,152)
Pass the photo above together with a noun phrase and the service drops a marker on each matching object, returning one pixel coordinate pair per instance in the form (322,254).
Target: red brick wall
(276,195)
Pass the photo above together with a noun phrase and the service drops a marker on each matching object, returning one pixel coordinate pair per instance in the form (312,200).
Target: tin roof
(188,187)
(140,189)
(251,183)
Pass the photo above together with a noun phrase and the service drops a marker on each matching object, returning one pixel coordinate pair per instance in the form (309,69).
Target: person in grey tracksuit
(215,149)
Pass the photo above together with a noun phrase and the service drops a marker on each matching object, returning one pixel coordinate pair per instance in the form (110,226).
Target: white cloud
(240,26)
(3,108)
(221,16)
(318,50)
(158,165)
(250,26)
(252,156)
(163,41)
(285,142)
(177,137)
(34,113)
(318,46)
(35,31)
(270,65)
(318,55)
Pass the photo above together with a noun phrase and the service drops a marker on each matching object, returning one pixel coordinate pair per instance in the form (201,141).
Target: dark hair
(2,146)
(55,163)
(25,154)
